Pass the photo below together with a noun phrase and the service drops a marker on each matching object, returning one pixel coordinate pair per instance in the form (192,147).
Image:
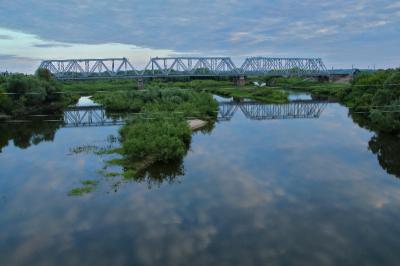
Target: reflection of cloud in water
(253,194)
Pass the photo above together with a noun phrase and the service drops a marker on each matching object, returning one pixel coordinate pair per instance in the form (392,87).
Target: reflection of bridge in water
(259,111)
(95,115)
(88,116)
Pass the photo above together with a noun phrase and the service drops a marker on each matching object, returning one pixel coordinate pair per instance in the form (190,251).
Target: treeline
(376,96)
(26,94)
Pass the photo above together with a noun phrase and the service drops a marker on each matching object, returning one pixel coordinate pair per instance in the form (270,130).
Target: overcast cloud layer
(342,32)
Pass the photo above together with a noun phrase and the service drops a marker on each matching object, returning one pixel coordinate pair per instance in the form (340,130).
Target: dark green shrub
(161,139)
(44,74)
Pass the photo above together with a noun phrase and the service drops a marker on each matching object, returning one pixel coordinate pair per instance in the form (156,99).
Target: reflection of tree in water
(27,134)
(161,173)
(387,149)
(153,174)
(386,146)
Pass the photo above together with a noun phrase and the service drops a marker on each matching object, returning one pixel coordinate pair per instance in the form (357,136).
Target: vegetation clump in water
(88,186)
(160,133)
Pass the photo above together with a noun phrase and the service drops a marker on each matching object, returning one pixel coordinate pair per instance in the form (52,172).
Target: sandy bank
(195,124)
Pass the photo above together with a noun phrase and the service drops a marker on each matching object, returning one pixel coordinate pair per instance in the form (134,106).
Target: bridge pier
(140,84)
(240,81)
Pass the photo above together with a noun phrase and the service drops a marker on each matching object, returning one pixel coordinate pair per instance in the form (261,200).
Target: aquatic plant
(88,186)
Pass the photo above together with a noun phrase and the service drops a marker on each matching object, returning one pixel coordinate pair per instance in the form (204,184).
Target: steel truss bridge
(183,67)
(92,116)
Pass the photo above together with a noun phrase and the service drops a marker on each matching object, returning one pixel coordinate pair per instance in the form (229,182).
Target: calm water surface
(318,191)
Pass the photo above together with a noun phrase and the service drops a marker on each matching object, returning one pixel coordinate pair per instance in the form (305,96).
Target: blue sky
(342,32)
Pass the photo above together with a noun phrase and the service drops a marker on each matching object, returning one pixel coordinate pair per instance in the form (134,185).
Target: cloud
(5,37)
(225,27)
(395,5)
(50,45)
(25,51)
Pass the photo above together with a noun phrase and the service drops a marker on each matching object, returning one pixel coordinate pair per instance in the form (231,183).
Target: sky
(344,33)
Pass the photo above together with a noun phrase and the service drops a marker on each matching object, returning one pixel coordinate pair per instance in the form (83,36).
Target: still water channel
(259,188)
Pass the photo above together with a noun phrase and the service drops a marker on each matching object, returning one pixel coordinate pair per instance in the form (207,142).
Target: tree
(44,74)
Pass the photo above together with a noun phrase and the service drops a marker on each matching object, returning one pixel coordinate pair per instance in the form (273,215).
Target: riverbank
(374,95)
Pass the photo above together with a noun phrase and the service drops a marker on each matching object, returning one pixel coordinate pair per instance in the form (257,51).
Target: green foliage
(89,183)
(366,90)
(44,74)
(29,94)
(88,186)
(189,103)
(264,94)
(93,86)
(127,85)
(5,102)
(159,138)
(387,119)
(160,133)
(318,89)
(378,95)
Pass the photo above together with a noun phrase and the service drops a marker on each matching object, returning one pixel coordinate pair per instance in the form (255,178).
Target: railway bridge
(164,67)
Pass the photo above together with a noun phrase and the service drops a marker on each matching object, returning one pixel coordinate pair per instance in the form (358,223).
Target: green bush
(378,94)
(161,139)
(189,103)
(44,74)
(30,94)
(5,102)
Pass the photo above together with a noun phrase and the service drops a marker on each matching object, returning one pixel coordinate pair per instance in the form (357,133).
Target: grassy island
(159,131)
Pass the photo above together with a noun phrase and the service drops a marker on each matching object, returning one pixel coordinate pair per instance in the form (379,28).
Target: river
(260,188)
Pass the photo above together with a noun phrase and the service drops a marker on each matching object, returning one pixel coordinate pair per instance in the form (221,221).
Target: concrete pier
(140,83)
(240,81)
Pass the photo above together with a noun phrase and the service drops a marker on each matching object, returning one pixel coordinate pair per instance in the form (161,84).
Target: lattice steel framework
(90,68)
(190,66)
(183,66)
(283,66)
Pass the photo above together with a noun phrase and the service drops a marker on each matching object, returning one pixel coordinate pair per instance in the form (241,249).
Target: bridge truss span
(190,66)
(184,67)
(283,66)
(90,68)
